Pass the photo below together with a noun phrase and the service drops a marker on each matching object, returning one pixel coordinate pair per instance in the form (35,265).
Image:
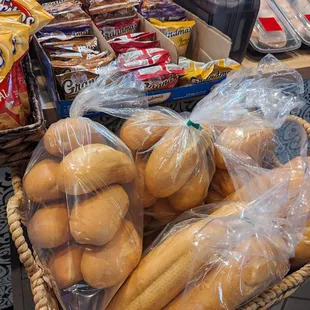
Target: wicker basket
(16,145)
(44,297)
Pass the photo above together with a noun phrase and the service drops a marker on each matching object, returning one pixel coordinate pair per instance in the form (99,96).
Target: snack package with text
(84,213)
(32,13)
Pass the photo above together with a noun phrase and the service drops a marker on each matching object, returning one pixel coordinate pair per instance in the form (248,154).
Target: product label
(270,24)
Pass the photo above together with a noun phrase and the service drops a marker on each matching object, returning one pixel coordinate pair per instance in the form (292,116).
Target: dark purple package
(164,10)
(67,33)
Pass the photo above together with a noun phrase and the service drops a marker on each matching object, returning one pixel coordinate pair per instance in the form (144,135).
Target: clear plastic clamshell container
(297,12)
(272,33)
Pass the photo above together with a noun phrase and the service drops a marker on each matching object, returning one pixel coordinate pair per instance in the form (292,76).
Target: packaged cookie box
(206,44)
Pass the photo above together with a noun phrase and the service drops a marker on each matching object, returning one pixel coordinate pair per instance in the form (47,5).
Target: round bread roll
(94,167)
(147,198)
(223,183)
(40,182)
(163,212)
(49,227)
(171,163)
(65,266)
(96,220)
(254,142)
(192,192)
(68,134)
(103,267)
(144,129)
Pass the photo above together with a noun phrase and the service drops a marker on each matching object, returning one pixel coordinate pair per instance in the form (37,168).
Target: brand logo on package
(2,63)
(71,87)
(111,32)
(11,5)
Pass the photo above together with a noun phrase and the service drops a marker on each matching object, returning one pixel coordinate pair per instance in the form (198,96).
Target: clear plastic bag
(241,114)
(84,212)
(222,255)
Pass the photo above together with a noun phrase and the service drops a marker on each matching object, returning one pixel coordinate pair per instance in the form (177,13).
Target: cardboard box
(206,44)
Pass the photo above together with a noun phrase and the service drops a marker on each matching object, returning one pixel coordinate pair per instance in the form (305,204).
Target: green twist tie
(190,123)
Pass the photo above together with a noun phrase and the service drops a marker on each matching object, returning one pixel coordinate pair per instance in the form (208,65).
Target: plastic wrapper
(199,72)
(297,12)
(217,261)
(83,207)
(165,10)
(179,32)
(118,27)
(66,14)
(160,77)
(182,151)
(272,33)
(32,13)
(104,6)
(221,256)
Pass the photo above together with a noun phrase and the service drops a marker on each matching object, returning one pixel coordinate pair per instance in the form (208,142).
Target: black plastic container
(235,18)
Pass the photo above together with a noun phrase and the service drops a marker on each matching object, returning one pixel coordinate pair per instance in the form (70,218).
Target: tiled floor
(299,301)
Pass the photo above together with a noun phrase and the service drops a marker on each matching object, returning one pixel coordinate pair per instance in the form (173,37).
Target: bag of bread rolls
(85,214)
(217,261)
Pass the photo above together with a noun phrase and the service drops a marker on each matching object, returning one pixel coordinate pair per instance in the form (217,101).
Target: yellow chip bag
(20,41)
(13,15)
(32,13)
(178,31)
(20,32)
(199,72)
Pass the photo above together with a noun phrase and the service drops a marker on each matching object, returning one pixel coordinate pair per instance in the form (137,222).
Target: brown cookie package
(72,47)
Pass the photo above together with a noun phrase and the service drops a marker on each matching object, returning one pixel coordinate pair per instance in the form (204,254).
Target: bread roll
(223,183)
(103,267)
(144,129)
(96,220)
(164,272)
(40,182)
(294,170)
(65,266)
(254,142)
(68,134)
(241,278)
(163,212)
(213,196)
(192,192)
(172,162)
(302,252)
(147,198)
(94,167)
(49,227)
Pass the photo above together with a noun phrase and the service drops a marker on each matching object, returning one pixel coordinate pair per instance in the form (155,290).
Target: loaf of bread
(110,265)
(144,129)
(164,272)
(254,266)
(147,198)
(163,212)
(92,167)
(40,182)
(96,220)
(49,226)
(172,162)
(222,183)
(193,191)
(253,142)
(68,134)
(65,265)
